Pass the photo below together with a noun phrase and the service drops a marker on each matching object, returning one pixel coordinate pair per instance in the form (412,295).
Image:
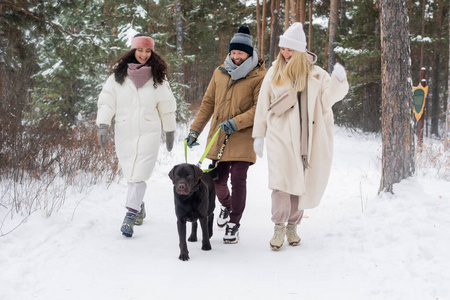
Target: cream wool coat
(286,172)
(139,115)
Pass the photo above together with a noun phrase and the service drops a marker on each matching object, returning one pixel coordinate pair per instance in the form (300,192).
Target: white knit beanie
(294,38)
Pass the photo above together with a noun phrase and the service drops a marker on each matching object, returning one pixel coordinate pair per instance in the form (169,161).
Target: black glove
(192,138)
(228,126)
(103,135)
(169,140)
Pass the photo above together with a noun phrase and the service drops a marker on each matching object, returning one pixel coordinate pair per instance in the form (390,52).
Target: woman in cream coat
(138,95)
(300,139)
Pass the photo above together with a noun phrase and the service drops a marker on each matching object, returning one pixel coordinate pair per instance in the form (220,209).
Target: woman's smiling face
(143,54)
(287,53)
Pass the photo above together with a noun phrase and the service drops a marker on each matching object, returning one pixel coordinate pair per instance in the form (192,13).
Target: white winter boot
(278,237)
(291,234)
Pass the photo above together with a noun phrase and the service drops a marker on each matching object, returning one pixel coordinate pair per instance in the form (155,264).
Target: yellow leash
(199,164)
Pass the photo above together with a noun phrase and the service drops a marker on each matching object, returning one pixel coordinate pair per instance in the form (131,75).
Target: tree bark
(3,42)
(302,11)
(334,7)
(263,28)
(435,107)
(422,33)
(310,27)
(342,17)
(294,11)
(410,11)
(180,51)
(258,26)
(397,130)
(447,123)
(286,14)
(274,29)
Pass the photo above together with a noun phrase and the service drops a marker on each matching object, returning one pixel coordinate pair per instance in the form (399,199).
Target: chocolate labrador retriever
(194,195)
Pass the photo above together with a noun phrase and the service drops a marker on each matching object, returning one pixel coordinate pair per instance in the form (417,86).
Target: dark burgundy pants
(236,200)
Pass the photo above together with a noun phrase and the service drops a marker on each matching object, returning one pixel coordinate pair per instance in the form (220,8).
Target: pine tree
(360,51)
(397,131)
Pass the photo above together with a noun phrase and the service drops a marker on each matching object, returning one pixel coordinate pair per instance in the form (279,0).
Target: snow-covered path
(355,245)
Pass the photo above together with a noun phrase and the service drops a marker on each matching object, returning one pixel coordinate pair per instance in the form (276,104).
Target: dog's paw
(206,247)
(192,238)
(184,256)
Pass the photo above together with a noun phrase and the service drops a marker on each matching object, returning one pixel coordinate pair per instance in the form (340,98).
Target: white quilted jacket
(139,116)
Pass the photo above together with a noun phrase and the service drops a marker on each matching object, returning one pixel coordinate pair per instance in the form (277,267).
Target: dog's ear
(172,172)
(198,173)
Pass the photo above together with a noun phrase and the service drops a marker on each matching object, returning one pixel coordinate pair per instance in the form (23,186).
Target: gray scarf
(238,72)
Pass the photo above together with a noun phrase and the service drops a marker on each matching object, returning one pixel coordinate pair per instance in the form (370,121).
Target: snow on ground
(355,245)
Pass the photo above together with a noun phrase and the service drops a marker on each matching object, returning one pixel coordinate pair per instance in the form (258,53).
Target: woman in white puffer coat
(294,114)
(138,94)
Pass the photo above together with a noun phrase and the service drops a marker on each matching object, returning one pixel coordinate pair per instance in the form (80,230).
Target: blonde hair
(295,71)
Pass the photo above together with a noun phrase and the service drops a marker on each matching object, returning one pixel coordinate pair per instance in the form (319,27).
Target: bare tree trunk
(302,11)
(410,13)
(310,27)
(286,14)
(277,28)
(342,17)
(422,33)
(3,42)
(3,103)
(435,108)
(447,123)
(397,130)
(274,29)
(334,7)
(180,51)
(423,122)
(294,11)
(263,28)
(258,26)
(114,31)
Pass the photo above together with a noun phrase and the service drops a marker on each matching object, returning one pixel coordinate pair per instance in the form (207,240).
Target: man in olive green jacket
(230,103)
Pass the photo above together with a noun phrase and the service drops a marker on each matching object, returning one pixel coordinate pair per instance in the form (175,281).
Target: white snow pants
(135,196)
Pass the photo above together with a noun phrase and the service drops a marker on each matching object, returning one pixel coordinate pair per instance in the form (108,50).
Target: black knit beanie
(242,41)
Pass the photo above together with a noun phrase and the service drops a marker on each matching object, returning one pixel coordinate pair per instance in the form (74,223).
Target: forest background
(56,55)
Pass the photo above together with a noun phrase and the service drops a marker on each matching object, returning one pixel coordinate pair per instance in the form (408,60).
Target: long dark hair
(160,68)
